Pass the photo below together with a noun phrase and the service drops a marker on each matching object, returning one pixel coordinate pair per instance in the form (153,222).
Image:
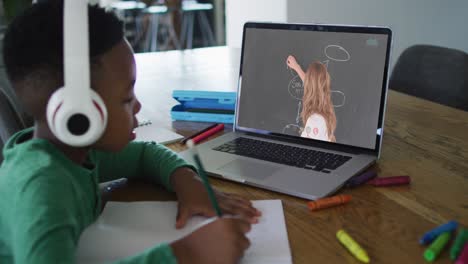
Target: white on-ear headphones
(76,114)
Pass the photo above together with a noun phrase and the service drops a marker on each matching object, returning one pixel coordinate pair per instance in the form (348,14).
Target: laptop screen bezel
(321,28)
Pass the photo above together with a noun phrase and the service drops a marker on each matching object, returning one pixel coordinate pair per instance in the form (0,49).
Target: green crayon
(431,253)
(457,246)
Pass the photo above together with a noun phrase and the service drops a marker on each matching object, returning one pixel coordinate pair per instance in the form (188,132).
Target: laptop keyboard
(284,154)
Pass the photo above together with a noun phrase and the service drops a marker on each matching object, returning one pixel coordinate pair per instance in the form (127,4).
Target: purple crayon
(361,179)
(463,258)
(390,181)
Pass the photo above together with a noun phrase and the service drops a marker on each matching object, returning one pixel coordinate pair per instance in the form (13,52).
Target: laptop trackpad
(246,168)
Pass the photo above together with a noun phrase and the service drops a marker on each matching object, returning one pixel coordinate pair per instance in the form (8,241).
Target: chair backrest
(10,119)
(434,73)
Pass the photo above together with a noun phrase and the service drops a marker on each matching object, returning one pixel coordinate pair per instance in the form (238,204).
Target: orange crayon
(329,202)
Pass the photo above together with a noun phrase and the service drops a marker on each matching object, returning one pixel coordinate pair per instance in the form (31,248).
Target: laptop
(310,108)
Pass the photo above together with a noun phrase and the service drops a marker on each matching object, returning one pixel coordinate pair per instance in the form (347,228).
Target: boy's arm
(47,231)
(48,216)
(140,160)
(45,219)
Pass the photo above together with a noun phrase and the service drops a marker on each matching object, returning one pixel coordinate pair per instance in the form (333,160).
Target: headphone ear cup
(53,105)
(76,124)
(99,112)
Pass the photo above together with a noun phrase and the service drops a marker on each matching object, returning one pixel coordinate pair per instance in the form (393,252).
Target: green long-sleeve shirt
(46,200)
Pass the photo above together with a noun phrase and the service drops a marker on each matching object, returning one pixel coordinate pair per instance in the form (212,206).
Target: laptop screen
(315,82)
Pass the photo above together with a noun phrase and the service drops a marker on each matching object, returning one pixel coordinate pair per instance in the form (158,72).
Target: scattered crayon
(462,239)
(198,133)
(329,202)
(390,181)
(361,179)
(352,246)
(463,258)
(431,253)
(431,235)
(208,133)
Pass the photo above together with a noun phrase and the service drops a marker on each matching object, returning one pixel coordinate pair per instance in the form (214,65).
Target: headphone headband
(76,48)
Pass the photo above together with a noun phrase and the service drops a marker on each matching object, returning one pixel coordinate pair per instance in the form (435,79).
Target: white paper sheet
(126,229)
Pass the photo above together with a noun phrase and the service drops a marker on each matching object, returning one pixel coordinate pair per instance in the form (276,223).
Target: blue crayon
(361,179)
(431,235)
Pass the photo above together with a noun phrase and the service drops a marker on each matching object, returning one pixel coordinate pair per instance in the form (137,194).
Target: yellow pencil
(352,246)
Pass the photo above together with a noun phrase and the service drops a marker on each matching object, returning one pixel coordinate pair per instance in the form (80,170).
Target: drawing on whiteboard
(295,88)
(336,53)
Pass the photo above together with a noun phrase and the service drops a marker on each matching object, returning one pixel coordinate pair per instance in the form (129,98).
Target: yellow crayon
(352,246)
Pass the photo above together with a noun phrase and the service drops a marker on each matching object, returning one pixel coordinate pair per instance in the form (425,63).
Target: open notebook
(147,131)
(125,229)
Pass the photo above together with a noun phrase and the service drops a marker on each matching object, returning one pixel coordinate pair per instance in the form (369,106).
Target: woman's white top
(316,128)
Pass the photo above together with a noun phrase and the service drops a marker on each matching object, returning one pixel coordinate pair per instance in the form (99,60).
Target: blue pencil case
(204,106)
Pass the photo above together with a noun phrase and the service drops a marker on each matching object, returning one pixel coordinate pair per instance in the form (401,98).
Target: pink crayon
(390,181)
(463,258)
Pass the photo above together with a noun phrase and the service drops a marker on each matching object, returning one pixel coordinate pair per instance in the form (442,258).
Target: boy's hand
(193,200)
(222,241)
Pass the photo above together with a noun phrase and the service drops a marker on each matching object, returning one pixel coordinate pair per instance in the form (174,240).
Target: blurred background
(160,25)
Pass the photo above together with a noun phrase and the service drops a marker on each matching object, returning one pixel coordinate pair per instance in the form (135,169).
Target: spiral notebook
(147,131)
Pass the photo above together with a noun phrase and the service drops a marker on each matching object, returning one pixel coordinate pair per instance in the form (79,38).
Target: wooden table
(422,139)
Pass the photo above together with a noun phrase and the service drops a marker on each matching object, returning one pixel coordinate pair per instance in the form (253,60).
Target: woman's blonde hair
(317,97)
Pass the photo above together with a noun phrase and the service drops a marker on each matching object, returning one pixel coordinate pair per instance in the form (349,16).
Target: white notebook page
(126,229)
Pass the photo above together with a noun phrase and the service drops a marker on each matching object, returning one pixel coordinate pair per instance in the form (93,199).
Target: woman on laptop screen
(318,114)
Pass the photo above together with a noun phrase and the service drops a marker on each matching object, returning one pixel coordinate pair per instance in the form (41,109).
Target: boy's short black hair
(33,43)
